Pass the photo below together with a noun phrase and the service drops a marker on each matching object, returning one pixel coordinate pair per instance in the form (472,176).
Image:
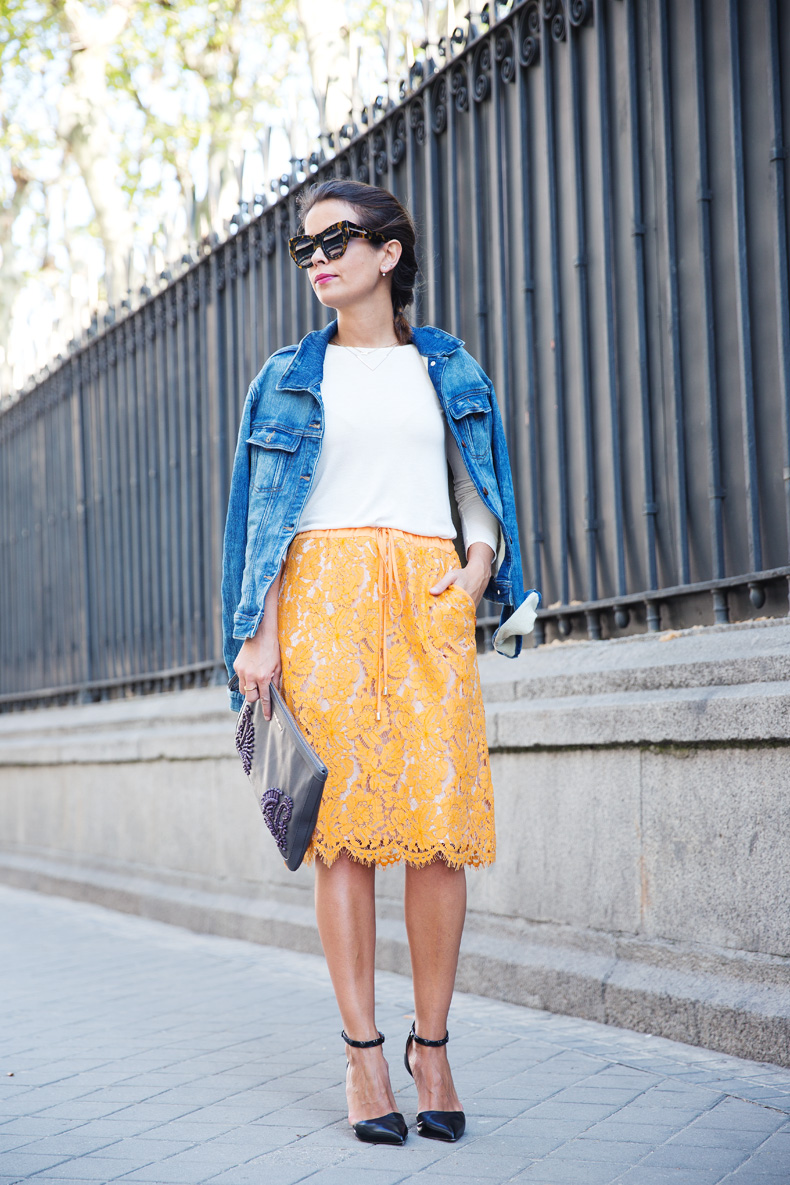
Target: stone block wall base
(722,1000)
(642,876)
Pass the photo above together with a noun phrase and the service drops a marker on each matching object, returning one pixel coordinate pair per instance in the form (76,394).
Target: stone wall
(643,870)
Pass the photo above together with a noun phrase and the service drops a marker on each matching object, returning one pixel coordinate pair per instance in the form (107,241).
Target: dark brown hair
(375,209)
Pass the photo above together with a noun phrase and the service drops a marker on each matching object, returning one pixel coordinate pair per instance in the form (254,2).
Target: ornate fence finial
(505,54)
(580,12)
(481,71)
(529,26)
(553,12)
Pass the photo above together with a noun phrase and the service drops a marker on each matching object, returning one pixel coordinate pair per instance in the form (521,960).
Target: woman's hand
(474,578)
(257,665)
(258,662)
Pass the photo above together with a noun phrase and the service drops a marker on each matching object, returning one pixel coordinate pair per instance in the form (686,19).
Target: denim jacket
(277,452)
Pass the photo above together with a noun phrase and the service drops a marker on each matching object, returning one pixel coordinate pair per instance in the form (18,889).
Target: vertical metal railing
(639,340)
(779,153)
(601,194)
(743,318)
(610,393)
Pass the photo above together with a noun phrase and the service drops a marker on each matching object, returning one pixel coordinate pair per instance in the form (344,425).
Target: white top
(385,450)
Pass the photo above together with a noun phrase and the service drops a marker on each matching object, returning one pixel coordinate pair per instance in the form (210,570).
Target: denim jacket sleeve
(235,541)
(522,608)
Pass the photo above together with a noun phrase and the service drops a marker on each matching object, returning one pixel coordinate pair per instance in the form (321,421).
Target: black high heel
(387,1129)
(436,1125)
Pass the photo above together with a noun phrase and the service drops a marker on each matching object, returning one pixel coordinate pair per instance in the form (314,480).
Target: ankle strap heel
(435,1125)
(385,1129)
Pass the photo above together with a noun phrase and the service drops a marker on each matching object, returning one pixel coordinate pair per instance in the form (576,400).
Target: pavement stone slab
(749,1175)
(434,1178)
(465,1164)
(283,1171)
(33,1125)
(764,1161)
(662,1176)
(359,1176)
(26,1163)
(145,1150)
(410,1159)
(569,1172)
(70,1144)
(744,1116)
(629,1133)
(690,1156)
(92,1168)
(145,1053)
(698,1135)
(601,1151)
(260,1138)
(9,1143)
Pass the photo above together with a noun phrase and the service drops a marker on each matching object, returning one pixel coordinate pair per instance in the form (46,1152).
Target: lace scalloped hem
(383,679)
(381,859)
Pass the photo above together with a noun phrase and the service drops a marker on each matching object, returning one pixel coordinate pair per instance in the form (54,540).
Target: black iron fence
(601,192)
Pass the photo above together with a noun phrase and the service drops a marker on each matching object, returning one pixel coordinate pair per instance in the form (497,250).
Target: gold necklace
(363,354)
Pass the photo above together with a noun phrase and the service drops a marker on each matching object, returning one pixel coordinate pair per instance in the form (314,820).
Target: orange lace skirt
(383,679)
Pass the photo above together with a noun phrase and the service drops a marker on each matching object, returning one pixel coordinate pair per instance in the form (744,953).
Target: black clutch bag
(287,777)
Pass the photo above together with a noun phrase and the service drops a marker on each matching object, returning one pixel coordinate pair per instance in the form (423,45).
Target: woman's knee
(345,871)
(437,871)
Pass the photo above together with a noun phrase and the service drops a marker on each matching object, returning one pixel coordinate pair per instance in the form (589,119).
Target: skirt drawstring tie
(388,573)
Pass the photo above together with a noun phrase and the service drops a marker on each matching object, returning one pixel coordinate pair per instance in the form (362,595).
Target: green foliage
(189,88)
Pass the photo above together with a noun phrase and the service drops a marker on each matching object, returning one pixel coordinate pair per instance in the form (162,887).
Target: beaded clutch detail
(286,775)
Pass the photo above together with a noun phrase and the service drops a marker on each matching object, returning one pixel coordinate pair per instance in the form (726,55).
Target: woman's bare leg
(435,911)
(345,910)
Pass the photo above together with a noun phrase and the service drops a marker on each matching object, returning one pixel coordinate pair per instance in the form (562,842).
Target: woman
(341,585)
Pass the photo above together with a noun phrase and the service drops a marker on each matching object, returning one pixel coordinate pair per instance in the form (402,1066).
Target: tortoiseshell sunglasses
(332,241)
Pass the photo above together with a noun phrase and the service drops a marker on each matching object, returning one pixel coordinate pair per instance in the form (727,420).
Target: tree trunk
(11,279)
(84,126)
(324,24)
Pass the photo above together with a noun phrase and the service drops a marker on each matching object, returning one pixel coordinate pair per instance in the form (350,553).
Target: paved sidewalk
(142,1052)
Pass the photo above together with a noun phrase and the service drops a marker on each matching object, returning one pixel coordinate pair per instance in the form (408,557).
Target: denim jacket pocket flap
(469,403)
(275,436)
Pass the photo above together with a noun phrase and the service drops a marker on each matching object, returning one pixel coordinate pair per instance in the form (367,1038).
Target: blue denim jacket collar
(307,365)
